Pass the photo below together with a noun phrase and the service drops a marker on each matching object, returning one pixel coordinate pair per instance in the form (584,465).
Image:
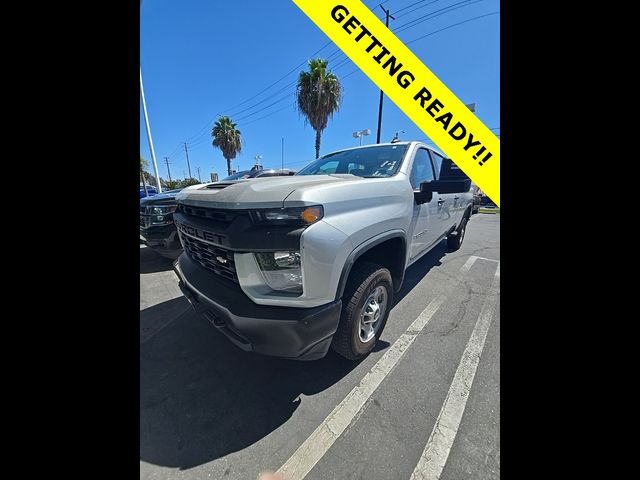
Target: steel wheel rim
(372,314)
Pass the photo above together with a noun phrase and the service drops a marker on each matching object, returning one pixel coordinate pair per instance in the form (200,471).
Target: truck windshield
(370,162)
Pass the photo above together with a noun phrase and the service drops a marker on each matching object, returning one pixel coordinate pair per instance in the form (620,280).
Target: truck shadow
(153,262)
(416,272)
(202,398)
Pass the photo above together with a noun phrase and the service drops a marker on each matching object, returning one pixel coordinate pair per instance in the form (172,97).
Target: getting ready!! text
(388,61)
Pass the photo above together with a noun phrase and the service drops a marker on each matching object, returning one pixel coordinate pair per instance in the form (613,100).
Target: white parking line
(319,442)
(472,259)
(489,259)
(468,264)
(436,452)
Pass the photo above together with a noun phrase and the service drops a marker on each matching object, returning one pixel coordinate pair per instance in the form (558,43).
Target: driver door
(427,224)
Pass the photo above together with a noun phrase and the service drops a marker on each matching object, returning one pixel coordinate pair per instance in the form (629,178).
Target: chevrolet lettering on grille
(201,234)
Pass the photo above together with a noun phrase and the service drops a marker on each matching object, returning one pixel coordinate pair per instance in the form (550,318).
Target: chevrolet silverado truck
(157,230)
(291,266)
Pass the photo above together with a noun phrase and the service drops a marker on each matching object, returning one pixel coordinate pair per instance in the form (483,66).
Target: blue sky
(200,58)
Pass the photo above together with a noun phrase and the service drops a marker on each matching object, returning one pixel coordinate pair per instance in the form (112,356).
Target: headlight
(301,216)
(161,209)
(281,270)
(158,214)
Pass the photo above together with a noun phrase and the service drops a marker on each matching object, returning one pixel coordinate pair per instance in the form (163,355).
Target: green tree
(146,177)
(318,96)
(227,138)
(143,165)
(169,185)
(187,181)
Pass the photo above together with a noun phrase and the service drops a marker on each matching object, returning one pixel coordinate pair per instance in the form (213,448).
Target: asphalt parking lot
(424,404)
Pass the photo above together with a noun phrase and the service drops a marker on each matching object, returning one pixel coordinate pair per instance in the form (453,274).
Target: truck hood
(267,192)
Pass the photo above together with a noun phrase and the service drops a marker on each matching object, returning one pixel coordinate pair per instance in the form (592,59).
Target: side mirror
(425,195)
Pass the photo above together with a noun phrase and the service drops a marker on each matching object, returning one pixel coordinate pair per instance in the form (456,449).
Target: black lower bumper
(295,333)
(163,239)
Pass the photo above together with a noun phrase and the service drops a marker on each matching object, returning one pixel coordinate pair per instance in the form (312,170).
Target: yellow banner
(412,87)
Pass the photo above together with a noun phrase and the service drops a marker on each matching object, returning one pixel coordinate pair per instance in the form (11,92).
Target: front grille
(216,214)
(215,259)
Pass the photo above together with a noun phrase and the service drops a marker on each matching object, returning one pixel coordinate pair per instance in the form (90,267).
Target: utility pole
(150,140)
(187,153)
(388,14)
(198,169)
(282,153)
(166,160)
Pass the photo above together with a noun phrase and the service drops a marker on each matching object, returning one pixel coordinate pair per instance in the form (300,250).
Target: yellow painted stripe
(412,87)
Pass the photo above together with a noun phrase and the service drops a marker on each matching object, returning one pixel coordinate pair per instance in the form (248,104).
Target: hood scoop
(216,186)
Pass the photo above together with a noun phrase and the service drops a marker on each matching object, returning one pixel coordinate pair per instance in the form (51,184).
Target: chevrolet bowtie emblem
(221,259)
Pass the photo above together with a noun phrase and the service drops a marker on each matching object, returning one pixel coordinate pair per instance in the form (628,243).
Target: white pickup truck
(291,266)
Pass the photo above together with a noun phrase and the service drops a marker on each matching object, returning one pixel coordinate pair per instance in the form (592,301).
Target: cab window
(437,161)
(422,169)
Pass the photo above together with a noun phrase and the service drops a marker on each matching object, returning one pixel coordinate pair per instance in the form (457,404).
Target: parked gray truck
(291,266)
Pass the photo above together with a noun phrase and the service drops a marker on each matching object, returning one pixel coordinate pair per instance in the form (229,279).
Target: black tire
(455,239)
(362,282)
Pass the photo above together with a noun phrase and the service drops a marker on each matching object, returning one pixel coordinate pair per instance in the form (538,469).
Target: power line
(198,134)
(346,59)
(336,53)
(409,6)
(228,110)
(280,79)
(285,97)
(433,33)
(269,114)
(418,8)
(434,14)
(451,26)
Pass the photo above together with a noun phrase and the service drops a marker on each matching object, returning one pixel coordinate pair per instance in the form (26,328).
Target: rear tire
(366,304)
(455,240)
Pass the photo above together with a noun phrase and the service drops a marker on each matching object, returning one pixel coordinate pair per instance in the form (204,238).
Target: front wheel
(365,308)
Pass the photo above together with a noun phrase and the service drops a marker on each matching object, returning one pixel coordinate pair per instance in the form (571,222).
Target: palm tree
(227,138)
(318,95)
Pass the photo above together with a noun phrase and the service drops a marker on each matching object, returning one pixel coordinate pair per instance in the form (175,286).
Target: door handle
(456,197)
(440,201)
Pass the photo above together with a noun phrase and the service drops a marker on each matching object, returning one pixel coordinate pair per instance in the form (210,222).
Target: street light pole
(361,133)
(146,122)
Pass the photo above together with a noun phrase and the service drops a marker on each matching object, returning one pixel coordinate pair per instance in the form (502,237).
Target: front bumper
(288,332)
(163,239)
